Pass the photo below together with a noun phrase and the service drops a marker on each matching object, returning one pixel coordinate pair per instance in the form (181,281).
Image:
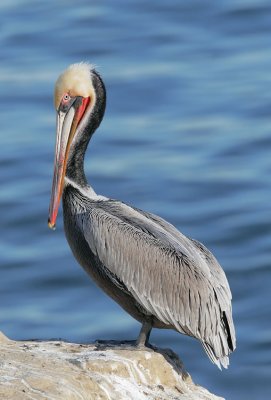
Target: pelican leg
(143,337)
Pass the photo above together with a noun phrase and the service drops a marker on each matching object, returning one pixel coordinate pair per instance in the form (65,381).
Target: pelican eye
(66,97)
(66,102)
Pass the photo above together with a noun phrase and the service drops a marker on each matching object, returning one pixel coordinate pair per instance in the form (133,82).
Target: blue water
(187,135)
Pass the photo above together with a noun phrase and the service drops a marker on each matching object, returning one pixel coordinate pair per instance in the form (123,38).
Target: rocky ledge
(58,370)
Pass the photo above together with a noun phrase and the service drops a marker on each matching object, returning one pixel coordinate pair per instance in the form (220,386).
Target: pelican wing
(172,277)
(219,280)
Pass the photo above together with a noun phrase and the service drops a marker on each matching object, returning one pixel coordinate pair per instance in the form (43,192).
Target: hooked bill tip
(51,226)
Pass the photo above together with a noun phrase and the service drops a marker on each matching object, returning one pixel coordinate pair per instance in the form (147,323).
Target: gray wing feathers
(165,272)
(224,338)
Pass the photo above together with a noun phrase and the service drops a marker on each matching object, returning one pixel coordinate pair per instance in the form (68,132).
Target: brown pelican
(158,275)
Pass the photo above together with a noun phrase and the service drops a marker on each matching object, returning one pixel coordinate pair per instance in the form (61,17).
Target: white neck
(86,191)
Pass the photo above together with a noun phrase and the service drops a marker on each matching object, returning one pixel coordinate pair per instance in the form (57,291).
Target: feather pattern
(171,277)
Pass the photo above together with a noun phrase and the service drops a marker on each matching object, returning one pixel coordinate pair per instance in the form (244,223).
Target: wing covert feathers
(172,277)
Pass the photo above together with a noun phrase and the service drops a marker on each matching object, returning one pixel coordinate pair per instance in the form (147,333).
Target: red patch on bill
(82,108)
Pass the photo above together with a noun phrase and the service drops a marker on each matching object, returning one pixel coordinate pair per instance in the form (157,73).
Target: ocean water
(186,135)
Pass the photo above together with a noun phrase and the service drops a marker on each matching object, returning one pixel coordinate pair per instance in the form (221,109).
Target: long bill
(66,127)
(67,123)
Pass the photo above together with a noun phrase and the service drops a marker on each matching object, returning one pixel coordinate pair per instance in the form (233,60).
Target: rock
(59,370)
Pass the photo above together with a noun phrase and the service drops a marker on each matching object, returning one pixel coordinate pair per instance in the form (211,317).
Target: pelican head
(74,99)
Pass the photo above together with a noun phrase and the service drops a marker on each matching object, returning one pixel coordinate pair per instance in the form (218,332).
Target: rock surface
(58,370)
